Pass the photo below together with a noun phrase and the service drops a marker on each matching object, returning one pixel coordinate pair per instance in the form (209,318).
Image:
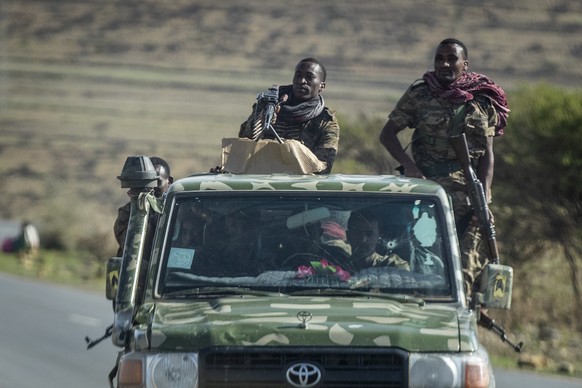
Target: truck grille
(267,367)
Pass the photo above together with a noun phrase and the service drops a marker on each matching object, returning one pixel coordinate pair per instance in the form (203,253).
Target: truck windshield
(296,243)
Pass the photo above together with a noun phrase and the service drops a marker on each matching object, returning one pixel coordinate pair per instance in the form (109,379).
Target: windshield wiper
(402,298)
(220,291)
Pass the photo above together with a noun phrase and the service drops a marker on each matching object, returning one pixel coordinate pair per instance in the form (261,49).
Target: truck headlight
(174,370)
(450,370)
(162,370)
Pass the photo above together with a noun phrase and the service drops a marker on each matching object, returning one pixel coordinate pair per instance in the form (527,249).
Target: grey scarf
(299,113)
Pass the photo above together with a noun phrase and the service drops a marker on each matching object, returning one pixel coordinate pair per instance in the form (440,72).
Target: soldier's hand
(412,171)
(278,108)
(217,170)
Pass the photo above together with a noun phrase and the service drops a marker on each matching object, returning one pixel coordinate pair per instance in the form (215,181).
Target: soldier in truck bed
(449,101)
(302,114)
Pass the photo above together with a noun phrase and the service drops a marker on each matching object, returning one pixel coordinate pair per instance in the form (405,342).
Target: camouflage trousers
(474,255)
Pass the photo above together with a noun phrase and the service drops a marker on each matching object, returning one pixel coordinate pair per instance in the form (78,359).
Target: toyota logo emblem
(303,375)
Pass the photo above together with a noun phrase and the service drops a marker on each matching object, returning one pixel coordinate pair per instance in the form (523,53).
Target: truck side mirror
(112,277)
(496,286)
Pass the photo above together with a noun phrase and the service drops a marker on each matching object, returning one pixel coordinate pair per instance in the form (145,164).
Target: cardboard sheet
(246,156)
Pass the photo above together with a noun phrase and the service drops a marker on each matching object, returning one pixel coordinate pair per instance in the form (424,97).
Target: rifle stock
(476,194)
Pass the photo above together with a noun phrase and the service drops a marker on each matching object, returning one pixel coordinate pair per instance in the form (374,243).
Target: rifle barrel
(489,323)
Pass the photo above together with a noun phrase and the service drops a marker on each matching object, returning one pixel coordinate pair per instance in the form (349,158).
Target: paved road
(519,379)
(42,331)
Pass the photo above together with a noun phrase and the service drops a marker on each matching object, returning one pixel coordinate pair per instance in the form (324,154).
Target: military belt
(442,168)
(441,142)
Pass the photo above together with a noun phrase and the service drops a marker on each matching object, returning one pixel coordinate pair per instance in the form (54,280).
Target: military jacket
(120,226)
(434,120)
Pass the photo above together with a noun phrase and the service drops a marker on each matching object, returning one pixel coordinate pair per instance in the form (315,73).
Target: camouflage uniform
(434,120)
(390,260)
(120,227)
(320,135)
(121,224)
(378,260)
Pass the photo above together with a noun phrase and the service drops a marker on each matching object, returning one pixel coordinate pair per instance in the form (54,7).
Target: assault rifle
(489,323)
(479,205)
(91,343)
(476,194)
(269,99)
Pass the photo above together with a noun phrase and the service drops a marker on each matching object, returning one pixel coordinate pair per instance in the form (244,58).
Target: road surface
(42,331)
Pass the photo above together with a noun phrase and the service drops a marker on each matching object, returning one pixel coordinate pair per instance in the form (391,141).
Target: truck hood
(277,321)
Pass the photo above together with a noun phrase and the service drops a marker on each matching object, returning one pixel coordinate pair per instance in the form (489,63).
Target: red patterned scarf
(464,89)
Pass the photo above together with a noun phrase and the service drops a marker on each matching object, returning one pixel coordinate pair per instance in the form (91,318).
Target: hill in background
(521,39)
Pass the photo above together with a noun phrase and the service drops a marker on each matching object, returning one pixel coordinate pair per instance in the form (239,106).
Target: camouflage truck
(248,280)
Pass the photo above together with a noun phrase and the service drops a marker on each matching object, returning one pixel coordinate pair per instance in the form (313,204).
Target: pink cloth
(464,89)
(333,229)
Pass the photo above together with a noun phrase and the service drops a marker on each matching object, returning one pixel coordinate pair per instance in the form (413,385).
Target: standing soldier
(446,102)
